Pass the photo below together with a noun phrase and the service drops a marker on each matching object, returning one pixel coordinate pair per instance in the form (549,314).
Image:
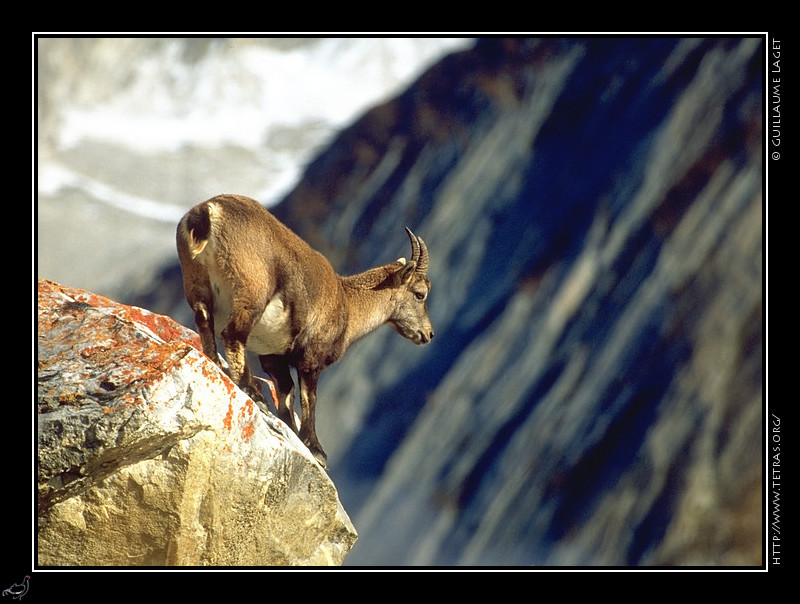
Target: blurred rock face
(593,211)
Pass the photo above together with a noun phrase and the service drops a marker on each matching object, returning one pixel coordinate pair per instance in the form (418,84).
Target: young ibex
(258,286)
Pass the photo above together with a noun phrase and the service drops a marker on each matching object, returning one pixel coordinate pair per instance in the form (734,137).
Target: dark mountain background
(593,396)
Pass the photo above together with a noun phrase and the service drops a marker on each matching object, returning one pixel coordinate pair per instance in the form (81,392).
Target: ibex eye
(419,296)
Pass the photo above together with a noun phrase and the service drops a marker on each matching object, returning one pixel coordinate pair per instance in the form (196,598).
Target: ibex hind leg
(278,370)
(204,321)
(234,337)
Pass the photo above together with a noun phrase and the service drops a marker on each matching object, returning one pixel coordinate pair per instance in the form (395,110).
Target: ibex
(256,285)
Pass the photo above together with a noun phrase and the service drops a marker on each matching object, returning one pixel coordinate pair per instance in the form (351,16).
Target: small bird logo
(18,590)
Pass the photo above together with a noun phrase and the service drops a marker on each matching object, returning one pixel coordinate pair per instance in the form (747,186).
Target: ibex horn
(419,252)
(414,245)
(422,263)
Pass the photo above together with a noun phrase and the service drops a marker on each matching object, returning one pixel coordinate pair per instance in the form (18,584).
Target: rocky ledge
(149,456)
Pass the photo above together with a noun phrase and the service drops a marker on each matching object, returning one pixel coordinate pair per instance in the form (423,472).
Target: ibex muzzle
(256,285)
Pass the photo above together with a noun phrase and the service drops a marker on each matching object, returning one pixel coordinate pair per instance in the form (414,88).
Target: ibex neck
(369,306)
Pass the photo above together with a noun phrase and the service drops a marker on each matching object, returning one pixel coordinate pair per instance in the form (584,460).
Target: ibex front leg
(308,401)
(278,370)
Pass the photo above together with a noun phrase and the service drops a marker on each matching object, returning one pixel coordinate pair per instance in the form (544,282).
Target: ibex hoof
(321,458)
(255,394)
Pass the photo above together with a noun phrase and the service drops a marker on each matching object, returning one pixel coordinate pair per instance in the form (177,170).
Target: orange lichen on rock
(110,351)
(116,354)
(228,420)
(164,327)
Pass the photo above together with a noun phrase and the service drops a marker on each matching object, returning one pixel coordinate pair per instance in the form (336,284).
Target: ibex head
(410,317)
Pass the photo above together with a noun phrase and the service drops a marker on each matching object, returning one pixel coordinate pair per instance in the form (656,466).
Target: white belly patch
(272,332)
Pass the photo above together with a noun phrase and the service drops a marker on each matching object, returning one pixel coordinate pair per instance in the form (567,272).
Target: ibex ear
(404,274)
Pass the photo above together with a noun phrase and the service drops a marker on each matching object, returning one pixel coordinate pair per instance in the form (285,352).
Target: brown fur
(239,263)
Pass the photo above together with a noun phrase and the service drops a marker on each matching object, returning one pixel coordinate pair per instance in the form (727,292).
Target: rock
(149,456)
